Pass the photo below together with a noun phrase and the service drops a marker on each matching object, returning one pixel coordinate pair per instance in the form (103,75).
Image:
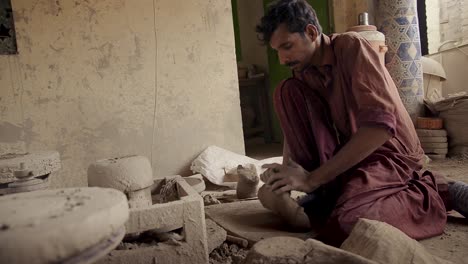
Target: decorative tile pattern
(398,20)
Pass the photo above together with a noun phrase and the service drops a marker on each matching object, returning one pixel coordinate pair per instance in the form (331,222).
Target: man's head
(291,28)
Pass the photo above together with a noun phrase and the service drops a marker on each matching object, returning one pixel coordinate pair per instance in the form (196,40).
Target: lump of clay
(278,250)
(51,226)
(248,184)
(284,206)
(127,174)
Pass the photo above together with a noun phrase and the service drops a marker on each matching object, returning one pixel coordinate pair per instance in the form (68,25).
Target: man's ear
(311,31)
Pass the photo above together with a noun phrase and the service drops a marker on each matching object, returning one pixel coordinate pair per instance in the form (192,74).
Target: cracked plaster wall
(88,74)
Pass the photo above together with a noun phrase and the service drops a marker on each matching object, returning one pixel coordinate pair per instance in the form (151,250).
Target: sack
(383,243)
(454,111)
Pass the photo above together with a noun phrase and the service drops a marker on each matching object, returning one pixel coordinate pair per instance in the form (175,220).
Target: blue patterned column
(398,20)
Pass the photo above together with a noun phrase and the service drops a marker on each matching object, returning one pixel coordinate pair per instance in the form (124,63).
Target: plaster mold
(126,174)
(53,225)
(131,174)
(39,163)
(185,213)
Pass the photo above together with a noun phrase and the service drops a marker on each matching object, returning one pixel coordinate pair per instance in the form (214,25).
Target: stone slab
(52,225)
(251,221)
(216,235)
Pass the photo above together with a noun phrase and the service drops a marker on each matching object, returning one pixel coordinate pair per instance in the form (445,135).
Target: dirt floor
(453,244)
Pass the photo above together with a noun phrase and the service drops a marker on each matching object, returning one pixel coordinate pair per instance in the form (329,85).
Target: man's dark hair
(296,14)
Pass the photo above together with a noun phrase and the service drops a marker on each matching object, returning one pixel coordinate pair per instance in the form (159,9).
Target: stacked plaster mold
(181,209)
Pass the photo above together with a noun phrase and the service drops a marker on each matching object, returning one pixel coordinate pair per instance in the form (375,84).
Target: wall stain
(85,83)
(103,62)
(56,49)
(10,133)
(53,7)
(210,19)
(27,42)
(20,15)
(192,55)
(29,134)
(92,14)
(134,64)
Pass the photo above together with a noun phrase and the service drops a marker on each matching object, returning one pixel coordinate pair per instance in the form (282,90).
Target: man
(348,140)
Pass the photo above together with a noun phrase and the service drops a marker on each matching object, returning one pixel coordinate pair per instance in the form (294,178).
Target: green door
(278,72)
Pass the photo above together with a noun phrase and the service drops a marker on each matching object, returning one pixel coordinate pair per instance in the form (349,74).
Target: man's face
(295,50)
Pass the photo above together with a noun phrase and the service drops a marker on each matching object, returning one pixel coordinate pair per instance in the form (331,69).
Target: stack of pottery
(433,137)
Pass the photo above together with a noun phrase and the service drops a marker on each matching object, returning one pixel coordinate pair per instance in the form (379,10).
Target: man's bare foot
(458,192)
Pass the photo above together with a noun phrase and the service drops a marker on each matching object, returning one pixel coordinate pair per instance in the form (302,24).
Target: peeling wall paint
(96,79)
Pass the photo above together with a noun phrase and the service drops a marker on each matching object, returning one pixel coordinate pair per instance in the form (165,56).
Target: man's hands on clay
(284,178)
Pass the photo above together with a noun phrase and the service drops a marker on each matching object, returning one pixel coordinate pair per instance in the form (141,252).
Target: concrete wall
(250,12)
(447,20)
(345,13)
(433,25)
(103,78)
(454,62)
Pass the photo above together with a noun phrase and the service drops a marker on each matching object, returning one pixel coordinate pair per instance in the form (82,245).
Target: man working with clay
(348,139)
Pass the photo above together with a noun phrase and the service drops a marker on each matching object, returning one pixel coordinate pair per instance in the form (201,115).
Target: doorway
(259,73)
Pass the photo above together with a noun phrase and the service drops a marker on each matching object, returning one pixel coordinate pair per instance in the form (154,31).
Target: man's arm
(363,143)
(286,155)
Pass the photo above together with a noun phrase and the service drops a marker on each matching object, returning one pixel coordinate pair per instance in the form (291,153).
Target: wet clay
(168,191)
(284,206)
(248,184)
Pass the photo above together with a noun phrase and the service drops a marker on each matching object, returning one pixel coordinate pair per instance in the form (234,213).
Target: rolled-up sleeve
(368,82)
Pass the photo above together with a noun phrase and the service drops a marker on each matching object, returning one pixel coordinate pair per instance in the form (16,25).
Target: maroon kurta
(323,106)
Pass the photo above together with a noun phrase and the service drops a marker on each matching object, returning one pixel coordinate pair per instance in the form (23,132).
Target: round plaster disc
(437,156)
(127,174)
(434,145)
(51,226)
(433,139)
(431,132)
(39,163)
(435,150)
